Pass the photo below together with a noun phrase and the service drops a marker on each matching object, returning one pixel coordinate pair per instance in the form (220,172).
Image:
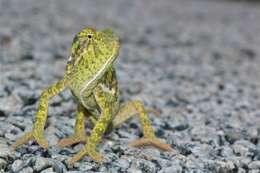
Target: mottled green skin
(91,77)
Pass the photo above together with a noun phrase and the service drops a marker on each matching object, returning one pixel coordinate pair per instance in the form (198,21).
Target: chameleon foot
(97,157)
(72,140)
(39,138)
(151,142)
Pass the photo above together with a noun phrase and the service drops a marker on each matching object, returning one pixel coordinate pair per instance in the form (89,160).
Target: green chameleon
(91,77)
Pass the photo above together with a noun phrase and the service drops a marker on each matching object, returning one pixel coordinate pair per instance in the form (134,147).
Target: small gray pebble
(243,148)
(41,163)
(48,170)
(171,169)
(85,166)
(123,163)
(226,151)
(241,170)
(134,88)
(3,164)
(254,165)
(4,150)
(27,170)
(17,165)
(254,171)
(220,166)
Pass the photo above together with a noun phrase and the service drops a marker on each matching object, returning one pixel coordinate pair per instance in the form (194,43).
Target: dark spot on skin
(83,46)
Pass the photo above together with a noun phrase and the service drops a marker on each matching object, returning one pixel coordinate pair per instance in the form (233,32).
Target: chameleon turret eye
(89,36)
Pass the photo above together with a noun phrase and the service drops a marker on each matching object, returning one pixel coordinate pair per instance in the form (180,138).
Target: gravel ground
(197,61)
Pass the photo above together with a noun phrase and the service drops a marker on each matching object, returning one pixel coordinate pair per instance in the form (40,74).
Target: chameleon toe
(22,140)
(77,157)
(71,140)
(42,142)
(93,154)
(151,142)
(30,136)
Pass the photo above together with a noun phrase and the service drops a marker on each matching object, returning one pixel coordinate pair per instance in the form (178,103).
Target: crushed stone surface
(197,61)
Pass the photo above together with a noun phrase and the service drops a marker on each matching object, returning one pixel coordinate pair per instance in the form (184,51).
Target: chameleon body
(91,77)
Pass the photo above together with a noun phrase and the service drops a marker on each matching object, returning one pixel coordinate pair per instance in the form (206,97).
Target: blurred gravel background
(197,61)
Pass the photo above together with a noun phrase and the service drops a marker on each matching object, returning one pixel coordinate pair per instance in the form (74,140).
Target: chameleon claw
(39,138)
(97,157)
(77,157)
(72,140)
(42,142)
(151,142)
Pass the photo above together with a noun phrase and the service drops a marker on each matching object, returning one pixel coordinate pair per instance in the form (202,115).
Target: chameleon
(91,78)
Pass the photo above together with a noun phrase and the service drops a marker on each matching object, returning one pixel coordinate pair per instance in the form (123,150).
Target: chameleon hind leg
(133,108)
(98,130)
(79,129)
(37,132)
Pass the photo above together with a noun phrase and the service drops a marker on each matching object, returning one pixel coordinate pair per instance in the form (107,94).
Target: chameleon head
(92,53)
(91,47)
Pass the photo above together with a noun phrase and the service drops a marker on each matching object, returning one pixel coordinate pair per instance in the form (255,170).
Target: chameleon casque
(91,77)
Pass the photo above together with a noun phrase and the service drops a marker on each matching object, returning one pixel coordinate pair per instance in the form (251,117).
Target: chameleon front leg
(79,130)
(37,132)
(98,130)
(136,108)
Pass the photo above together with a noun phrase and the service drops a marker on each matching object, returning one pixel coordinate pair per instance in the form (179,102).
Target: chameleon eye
(89,36)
